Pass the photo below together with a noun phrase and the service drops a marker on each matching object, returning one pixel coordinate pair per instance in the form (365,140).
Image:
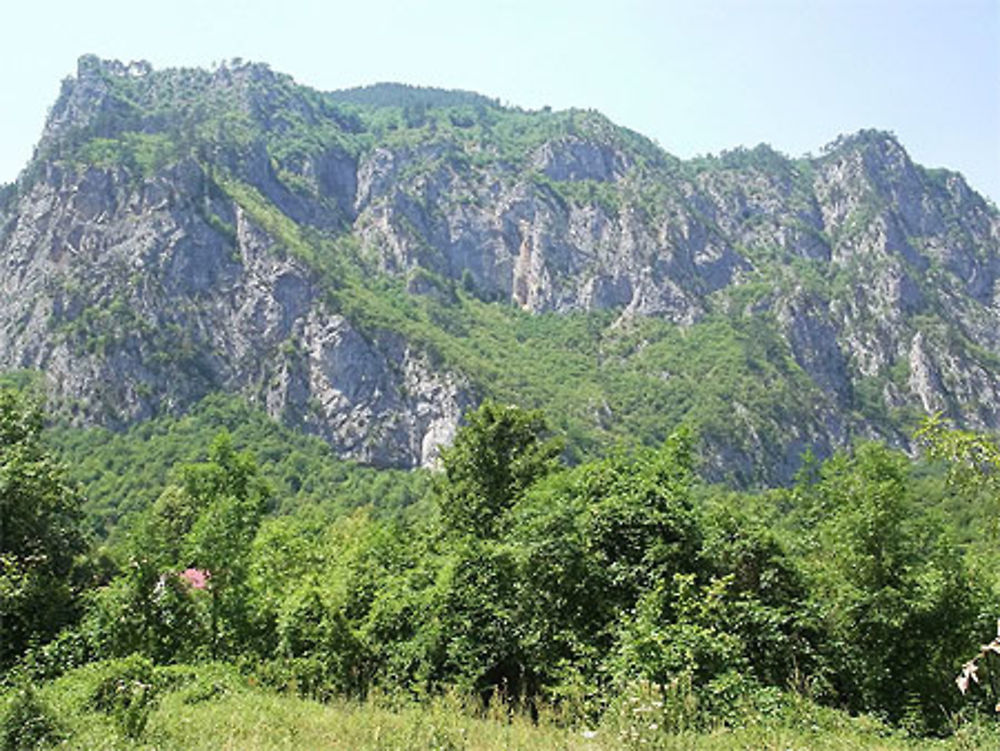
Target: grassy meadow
(212,707)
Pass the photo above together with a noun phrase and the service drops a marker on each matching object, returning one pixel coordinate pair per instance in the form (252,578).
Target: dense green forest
(221,562)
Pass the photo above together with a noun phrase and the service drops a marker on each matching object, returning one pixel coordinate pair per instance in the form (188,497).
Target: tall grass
(214,707)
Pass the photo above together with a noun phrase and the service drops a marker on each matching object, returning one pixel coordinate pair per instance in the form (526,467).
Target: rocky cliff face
(167,241)
(132,303)
(861,248)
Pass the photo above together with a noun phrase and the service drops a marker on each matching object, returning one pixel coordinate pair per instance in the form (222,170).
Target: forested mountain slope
(367,264)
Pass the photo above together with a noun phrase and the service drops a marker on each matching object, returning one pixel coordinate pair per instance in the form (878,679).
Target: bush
(309,677)
(196,684)
(127,692)
(25,722)
(70,649)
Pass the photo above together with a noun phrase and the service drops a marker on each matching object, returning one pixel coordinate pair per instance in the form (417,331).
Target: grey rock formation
(181,310)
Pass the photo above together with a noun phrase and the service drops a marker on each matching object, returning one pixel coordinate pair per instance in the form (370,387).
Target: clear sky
(698,76)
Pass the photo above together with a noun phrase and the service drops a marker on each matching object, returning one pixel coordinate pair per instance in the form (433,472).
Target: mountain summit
(366,264)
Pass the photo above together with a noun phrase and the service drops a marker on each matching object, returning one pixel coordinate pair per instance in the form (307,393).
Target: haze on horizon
(697,77)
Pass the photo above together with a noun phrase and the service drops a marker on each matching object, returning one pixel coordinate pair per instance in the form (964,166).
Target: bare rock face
(903,240)
(139,282)
(186,310)
(578,159)
(525,243)
(812,338)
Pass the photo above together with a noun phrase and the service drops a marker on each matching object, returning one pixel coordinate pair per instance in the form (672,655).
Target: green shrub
(70,649)
(127,692)
(26,722)
(310,677)
(197,684)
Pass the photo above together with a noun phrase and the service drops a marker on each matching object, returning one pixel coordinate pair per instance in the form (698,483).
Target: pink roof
(196,577)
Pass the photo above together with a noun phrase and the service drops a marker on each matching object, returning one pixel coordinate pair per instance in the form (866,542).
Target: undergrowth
(214,706)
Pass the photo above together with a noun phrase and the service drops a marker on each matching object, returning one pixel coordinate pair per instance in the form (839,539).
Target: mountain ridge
(183,231)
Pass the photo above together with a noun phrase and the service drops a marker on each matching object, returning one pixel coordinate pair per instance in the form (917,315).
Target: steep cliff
(366,264)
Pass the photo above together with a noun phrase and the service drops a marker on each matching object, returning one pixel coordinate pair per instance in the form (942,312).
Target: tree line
(520,579)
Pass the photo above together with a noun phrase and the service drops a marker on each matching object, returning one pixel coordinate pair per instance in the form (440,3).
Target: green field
(213,707)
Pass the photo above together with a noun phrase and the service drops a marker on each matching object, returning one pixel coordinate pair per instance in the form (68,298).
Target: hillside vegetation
(618,603)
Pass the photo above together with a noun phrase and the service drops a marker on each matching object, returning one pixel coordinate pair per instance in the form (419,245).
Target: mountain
(366,264)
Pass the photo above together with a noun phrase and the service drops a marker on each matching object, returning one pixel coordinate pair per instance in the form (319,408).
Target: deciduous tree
(40,531)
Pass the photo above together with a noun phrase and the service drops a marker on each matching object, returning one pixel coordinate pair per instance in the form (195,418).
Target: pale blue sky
(698,77)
